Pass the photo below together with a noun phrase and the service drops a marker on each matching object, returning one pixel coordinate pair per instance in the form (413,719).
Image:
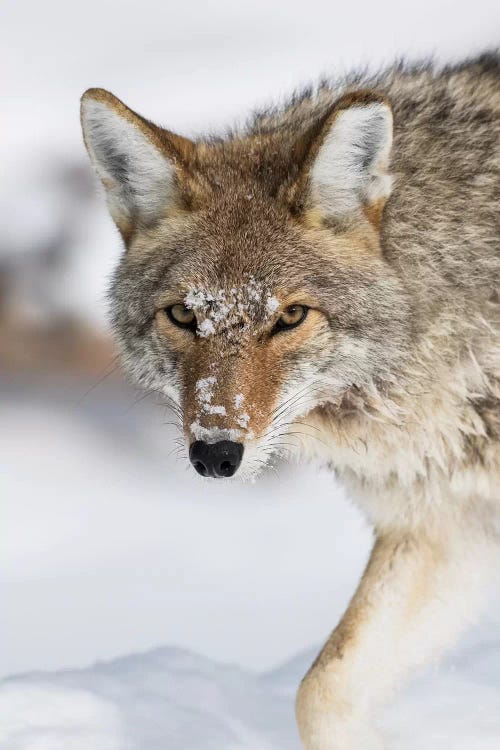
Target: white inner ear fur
(350,168)
(138,178)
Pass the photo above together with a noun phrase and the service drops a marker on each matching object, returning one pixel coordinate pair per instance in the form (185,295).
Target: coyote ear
(138,163)
(345,169)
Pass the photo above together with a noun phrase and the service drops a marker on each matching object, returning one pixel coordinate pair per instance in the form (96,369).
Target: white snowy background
(109,545)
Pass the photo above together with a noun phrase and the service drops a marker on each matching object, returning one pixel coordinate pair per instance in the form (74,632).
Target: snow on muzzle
(227,409)
(217,426)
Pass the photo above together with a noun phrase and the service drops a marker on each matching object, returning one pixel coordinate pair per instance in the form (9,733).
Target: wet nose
(216,459)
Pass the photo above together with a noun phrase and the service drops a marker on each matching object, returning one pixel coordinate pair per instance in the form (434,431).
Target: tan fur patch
(374,212)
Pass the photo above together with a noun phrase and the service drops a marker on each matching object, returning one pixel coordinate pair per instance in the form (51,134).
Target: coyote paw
(326,723)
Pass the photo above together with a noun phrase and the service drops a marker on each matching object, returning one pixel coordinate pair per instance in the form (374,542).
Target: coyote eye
(181,316)
(293,316)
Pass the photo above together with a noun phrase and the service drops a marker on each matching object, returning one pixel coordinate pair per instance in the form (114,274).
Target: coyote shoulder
(326,280)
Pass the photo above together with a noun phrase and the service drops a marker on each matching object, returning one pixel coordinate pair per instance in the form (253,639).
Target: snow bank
(172,698)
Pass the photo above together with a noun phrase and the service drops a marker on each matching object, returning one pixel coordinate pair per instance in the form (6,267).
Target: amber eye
(181,316)
(293,316)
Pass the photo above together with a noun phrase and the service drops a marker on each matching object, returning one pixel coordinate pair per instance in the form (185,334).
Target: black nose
(216,459)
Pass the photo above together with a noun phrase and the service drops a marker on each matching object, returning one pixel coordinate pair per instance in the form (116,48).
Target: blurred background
(111,545)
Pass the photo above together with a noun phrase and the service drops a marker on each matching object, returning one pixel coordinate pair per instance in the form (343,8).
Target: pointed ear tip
(366,98)
(93,93)
(380,104)
(101,96)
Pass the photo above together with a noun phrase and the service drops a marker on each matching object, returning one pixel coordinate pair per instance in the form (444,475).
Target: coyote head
(253,288)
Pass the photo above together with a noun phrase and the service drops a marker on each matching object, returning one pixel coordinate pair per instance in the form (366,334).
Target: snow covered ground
(172,698)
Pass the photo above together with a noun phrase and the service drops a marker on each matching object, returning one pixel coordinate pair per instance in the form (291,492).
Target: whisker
(273,428)
(313,437)
(283,445)
(172,424)
(101,379)
(306,424)
(299,403)
(313,387)
(136,401)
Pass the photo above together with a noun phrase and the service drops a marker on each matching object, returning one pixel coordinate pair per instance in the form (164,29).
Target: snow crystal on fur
(216,410)
(205,328)
(204,389)
(272,304)
(238,400)
(220,310)
(213,434)
(243,420)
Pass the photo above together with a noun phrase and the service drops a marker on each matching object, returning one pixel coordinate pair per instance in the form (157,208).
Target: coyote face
(253,289)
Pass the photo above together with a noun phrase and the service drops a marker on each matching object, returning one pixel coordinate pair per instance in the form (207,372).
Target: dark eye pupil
(291,317)
(293,313)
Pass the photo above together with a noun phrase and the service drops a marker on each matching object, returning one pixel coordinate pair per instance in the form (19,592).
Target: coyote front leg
(415,593)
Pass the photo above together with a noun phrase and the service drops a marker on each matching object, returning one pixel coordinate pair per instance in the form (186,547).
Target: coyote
(325,281)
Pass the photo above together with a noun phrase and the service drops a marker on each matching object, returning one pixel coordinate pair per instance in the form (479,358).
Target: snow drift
(170,698)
